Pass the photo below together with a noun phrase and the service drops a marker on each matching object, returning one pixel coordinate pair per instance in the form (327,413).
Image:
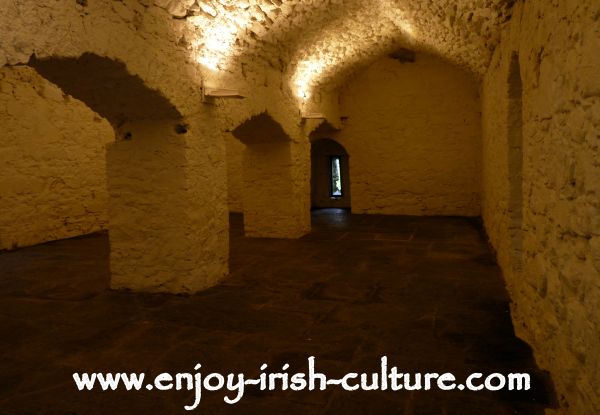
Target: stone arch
(154,228)
(106,87)
(169,148)
(53,149)
(275,195)
(515,161)
(323,152)
(323,129)
(261,128)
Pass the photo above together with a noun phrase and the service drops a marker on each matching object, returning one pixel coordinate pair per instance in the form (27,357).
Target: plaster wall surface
(555,283)
(53,174)
(413,136)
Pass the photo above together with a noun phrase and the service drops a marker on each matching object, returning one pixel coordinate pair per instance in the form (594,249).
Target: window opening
(336,176)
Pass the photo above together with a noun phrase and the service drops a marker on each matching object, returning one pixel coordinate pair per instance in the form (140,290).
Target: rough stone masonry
(522,144)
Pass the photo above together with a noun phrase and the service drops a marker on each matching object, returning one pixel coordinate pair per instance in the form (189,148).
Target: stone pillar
(276,185)
(276,189)
(300,151)
(167,207)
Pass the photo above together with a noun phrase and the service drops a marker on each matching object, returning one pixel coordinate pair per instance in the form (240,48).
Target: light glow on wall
(328,51)
(337,49)
(215,46)
(306,72)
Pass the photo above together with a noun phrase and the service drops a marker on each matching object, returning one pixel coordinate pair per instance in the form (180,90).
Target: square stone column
(276,189)
(167,207)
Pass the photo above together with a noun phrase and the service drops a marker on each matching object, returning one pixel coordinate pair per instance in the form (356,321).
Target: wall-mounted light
(313,116)
(209,94)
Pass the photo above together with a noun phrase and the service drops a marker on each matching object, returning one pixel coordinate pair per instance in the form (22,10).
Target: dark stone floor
(424,291)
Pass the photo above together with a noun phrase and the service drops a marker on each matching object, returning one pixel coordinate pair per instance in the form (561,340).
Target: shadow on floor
(425,292)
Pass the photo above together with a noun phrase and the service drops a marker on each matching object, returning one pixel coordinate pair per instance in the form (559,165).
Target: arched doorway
(156,214)
(274,194)
(330,179)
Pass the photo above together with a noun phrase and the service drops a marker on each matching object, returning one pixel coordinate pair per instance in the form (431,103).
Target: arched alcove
(330,178)
(515,160)
(154,228)
(272,196)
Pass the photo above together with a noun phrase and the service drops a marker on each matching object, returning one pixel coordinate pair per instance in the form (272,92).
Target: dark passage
(424,291)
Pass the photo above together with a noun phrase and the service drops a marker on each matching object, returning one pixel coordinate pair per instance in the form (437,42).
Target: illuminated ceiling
(321,42)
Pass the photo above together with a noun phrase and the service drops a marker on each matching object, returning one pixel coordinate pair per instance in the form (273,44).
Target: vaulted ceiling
(320,42)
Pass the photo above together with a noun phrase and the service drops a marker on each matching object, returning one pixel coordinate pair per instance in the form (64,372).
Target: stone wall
(145,47)
(158,52)
(234,150)
(554,276)
(405,158)
(321,187)
(413,136)
(275,178)
(53,181)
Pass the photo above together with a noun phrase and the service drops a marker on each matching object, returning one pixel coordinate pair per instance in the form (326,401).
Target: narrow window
(336,177)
